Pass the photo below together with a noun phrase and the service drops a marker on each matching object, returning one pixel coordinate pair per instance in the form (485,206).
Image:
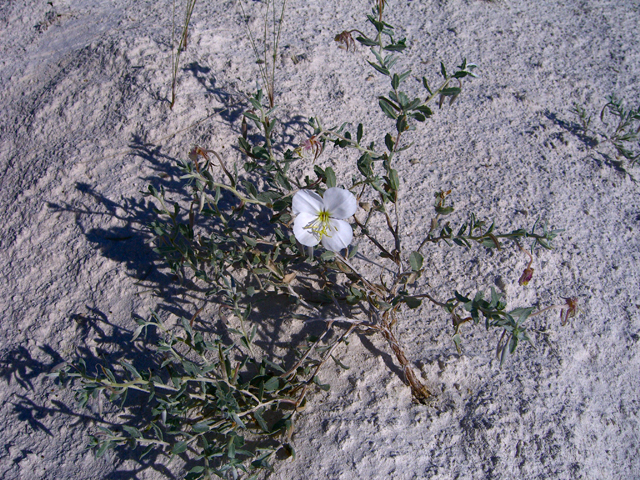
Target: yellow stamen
(320,227)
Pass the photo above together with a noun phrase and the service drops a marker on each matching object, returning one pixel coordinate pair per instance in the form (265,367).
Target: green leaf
(261,462)
(260,420)
(413,105)
(404,75)
(282,181)
(364,165)
(513,343)
(137,332)
(147,451)
(131,368)
(403,100)
(378,57)
(255,101)
(450,92)
(323,386)
(328,256)
(490,242)
(356,295)
(425,110)
(382,70)
(395,81)
(179,448)
(461,298)
(268,196)
(253,117)
(426,85)
(109,374)
(416,260)
(331,177)
(401,124)
(356,291)
(521,314)
(352,300)
(388,107)
(244,145)
(275,366)
(134,432)
(231,448)
(260,152)
(390,61)
(249,241)
(272,384)
(388,141)
(384,306)
(443,71)
(103,448)
(238,420)
(412,302)
(282,424)
(394,181)
(495,298)
(359,133)
(444,210)
(194,473)
(396,47)
(457,341)
(339,363)
(200,428)
(367,42)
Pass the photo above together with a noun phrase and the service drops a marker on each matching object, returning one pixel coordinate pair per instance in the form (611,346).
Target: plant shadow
(293,131)
(112,345)
(179,295)
(573,128)
(590,143)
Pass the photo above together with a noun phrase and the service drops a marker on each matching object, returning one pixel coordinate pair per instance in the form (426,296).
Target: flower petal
(339,235)
(340,203)
(306,201)
(304,236)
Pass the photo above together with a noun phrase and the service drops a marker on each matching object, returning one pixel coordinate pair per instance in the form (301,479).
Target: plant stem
(356,145)
(420,392)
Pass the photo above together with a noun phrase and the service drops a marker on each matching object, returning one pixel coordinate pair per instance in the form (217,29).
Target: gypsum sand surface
(85,127)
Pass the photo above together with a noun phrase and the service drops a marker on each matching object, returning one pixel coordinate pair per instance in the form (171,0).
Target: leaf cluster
(622,134)
(231,412)
(495,316)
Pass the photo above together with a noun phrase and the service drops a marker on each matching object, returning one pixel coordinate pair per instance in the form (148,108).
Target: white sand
(85,127)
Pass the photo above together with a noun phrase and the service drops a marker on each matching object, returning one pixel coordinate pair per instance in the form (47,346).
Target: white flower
(322,219)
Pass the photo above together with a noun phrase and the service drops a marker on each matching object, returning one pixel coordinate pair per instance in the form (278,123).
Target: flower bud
(526,276)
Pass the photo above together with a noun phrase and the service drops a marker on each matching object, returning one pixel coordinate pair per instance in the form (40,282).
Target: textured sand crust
(85,127)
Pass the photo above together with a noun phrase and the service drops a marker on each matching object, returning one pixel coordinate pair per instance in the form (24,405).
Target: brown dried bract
(311,145)
(346,40)
(570,312)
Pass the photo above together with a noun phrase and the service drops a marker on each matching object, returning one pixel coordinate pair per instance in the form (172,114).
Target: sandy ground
(85,127)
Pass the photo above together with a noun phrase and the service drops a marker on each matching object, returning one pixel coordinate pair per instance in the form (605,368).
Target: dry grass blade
(182,45)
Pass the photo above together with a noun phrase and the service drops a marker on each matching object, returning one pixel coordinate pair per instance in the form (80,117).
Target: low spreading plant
(257,234)
(620,129)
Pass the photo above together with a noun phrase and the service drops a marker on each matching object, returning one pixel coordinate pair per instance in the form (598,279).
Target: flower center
(320,227)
